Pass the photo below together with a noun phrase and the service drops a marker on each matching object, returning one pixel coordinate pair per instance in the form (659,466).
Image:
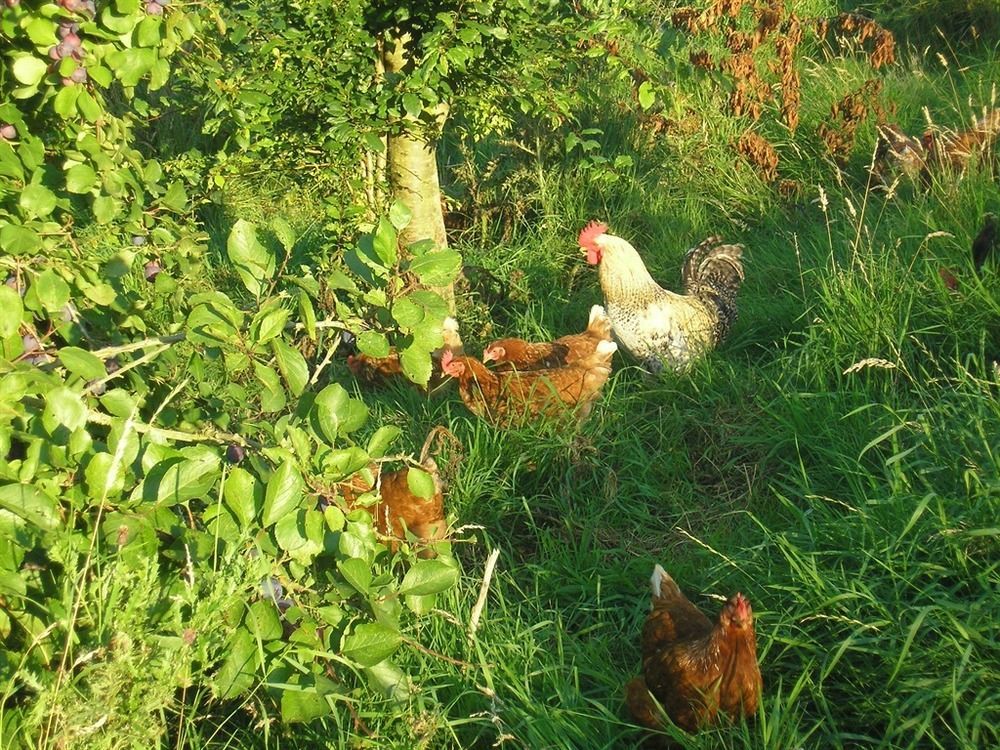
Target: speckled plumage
(658,326)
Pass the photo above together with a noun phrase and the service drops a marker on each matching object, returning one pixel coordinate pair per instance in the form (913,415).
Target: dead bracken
(760,153)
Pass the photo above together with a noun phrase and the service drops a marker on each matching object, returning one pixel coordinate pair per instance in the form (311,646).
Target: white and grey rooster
(657,326)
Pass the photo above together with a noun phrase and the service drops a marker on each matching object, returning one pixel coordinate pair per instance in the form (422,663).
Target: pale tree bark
(412,166)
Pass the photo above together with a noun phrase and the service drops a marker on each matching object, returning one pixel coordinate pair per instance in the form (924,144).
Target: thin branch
(484,589)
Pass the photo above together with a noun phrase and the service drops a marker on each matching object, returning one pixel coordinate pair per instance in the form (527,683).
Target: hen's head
(736,613)
(451,366)
(589,241)
(494,352)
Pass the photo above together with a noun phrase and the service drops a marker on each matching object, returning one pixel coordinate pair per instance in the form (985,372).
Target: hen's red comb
(591,232)
(446,359)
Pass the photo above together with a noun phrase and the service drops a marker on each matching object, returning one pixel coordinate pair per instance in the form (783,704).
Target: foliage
(116,476)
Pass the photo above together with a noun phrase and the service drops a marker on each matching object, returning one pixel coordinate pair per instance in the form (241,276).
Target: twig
(326,359)
(130,366)
(436,654)
(484,589)
(111,351)
(216,436)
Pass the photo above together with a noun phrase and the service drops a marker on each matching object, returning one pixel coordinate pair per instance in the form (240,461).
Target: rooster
(518,354)
(658,326)
(694,668)
(513,398)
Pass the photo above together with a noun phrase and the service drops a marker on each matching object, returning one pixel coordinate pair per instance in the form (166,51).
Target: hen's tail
(599,325)
(989,124)
(713,272)
(985,242)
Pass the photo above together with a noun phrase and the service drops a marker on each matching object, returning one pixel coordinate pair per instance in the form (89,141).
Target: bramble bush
(164,445)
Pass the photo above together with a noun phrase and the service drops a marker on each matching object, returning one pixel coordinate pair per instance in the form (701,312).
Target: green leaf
(106,208)
(81,362)
(31,504)
(254,263)
(400,215)
(51,291)
(391,681)
(118,402)
(384,436)
(130,65)
(373,142)
(291,532)
(37,200)
(41,30)
(272,323)
(263,622)
(345,461)
(357,572)
(417,364)
(438,268)
(87,104)
(18,240)
(283,231)
(64,103)
(212,324)
(176,197)
(412,105)
(420,482)
(238,672)
(308,314)
(185,480)
(385,241)
(28,69)
(406,312)
(300,704)
(370,644)
(421,605)
(147,34)
(284,493)
(11,311)
(337,413)
(646,95)
(374,344)
(101,483)
(80,178)
(429,577)
(240,493)
(273,398)
(292,365)
(63,408)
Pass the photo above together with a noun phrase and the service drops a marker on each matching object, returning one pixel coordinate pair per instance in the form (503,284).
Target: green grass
(856,509)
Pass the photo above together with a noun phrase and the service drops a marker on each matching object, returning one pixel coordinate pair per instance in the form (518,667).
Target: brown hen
(693,668)
(518,354)
(397,510)
(511,398)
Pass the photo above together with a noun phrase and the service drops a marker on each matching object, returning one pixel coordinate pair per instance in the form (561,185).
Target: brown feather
(693,667)
(397,510)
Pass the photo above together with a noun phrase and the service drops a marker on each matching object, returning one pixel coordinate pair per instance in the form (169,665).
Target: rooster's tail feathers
(713,271)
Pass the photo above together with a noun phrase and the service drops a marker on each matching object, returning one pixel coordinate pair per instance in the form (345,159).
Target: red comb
(742,606)
(446,359)
(591,232)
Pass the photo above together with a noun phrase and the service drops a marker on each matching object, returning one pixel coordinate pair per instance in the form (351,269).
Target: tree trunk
(412,167)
